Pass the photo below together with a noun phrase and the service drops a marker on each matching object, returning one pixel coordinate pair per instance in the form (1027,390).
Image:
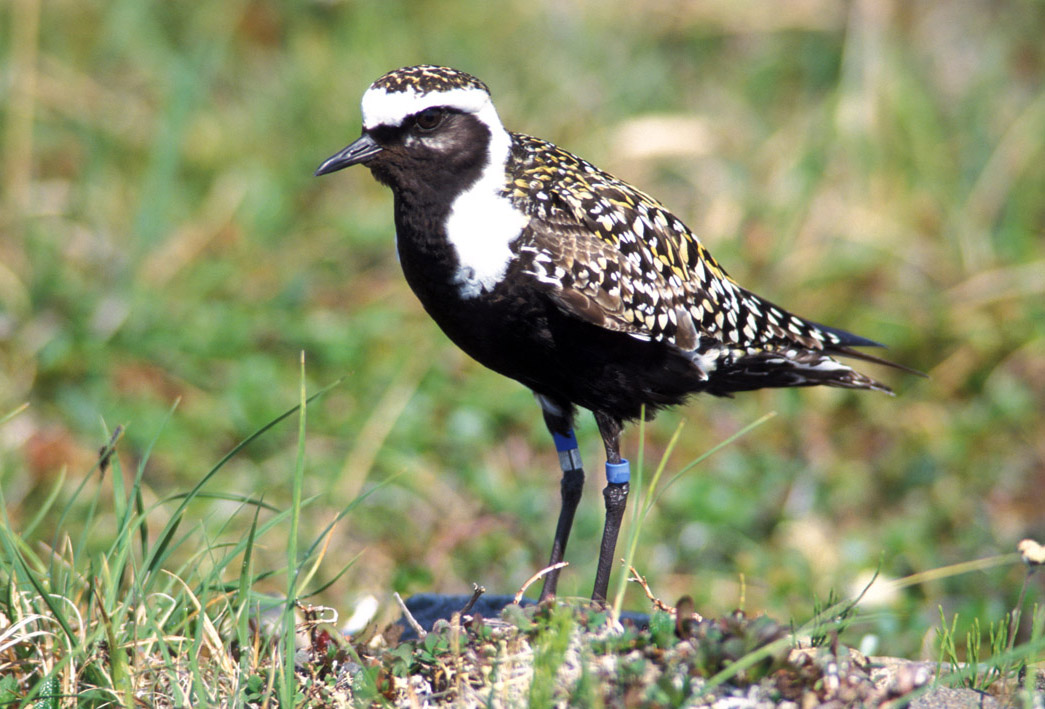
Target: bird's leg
(615,495)
(560,423)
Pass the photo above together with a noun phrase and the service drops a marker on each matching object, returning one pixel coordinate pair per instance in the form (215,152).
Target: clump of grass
(997,665)
(167,618)
(832,616)
(999,661)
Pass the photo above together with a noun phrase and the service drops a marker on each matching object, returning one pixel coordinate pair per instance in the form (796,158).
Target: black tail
(847,340)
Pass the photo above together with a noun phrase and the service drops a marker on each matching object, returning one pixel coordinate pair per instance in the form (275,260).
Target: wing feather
(613,256)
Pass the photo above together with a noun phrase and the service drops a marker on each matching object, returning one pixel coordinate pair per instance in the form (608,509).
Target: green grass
(162,240)
(129,621)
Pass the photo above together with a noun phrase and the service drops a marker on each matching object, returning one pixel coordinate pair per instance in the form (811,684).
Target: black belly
(518,331)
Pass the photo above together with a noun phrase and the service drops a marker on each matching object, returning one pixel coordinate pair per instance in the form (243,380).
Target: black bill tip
(358,152)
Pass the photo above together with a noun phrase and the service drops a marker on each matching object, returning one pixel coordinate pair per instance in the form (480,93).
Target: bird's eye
(429,119)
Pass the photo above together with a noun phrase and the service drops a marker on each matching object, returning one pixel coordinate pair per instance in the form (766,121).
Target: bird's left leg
(559,420)
(615,495)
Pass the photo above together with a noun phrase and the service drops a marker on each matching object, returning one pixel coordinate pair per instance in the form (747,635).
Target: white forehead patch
(384,108)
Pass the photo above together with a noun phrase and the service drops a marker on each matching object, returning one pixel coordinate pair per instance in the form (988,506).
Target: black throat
(426,175)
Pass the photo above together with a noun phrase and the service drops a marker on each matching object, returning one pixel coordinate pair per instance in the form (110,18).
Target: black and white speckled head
(408,91)
(421,117)
(432,134)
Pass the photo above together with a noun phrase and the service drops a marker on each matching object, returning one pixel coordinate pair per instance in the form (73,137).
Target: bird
(583,288)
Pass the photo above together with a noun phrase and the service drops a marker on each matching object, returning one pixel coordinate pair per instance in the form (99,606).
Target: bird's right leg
(615,495)
(559,420)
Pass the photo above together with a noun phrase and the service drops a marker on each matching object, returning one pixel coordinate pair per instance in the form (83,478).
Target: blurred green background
(877,166)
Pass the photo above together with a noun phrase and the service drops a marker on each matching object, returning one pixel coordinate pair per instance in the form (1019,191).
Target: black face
(435,151)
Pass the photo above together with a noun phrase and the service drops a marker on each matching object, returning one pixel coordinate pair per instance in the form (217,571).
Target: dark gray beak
(359,151)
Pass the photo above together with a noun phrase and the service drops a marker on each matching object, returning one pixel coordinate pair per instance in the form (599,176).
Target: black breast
(518,331)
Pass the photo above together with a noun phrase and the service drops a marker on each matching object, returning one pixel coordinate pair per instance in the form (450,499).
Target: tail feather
(792,368)
(847,341)
(844,337)
(856,354)
(790,351)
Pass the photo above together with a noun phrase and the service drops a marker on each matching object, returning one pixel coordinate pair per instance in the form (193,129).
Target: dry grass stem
(537,576)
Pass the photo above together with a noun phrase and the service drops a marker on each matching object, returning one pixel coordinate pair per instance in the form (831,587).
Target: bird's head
(426,128)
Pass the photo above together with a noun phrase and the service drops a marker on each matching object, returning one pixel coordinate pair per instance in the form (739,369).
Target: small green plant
(978,671)
(662,629)
(999,660)
(549,652)
(986,664)
(832,616)
(981,672)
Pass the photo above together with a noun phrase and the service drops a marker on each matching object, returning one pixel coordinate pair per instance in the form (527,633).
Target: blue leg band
(618,473)
(569,456)
(565,443)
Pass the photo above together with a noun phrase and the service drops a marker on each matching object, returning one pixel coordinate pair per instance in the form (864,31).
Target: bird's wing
(612,255)
(591,279)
